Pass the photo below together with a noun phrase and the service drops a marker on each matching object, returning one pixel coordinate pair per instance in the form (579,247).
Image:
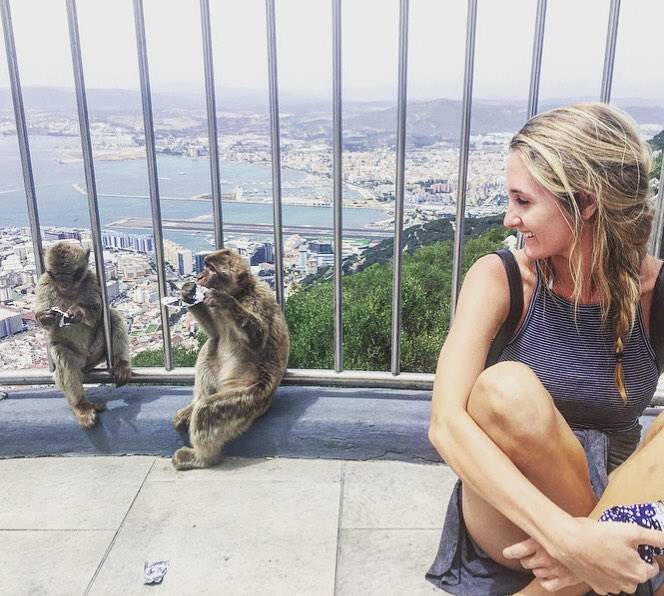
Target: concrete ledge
(305,422)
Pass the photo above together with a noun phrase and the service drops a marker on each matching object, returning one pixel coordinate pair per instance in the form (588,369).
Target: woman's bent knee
(508,398)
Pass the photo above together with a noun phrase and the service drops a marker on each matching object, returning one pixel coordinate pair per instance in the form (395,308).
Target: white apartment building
(178,257)
(11,321)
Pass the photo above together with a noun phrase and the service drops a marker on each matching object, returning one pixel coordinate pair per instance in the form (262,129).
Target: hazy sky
(572,65)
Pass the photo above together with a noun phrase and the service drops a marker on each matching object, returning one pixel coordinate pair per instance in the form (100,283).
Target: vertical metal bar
(610,51)
(658,227)
(22,133)
(338,184)
(535,71)
(463,152)
(86,145)
(212,125)
(399,185)
(23,144)
(536,63)
(146,97)
(276,149)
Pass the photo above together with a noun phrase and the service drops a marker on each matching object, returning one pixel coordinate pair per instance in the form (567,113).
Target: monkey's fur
(76,348)
(240,365)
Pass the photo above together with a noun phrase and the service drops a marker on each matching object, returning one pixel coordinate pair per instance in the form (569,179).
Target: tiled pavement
(77,525)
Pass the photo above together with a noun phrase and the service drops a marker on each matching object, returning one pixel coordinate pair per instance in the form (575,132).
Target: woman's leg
(516,411)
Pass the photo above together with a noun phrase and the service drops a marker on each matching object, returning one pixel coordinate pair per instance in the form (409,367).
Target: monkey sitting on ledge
(240,365)
(76,338)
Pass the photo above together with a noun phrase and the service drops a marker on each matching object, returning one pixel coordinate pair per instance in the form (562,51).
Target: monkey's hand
(188,292)
(183,417)
(75,314)
(219,299)
(47,318)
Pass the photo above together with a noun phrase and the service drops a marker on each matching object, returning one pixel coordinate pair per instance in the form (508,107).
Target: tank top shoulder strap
(516,306)
(657,320)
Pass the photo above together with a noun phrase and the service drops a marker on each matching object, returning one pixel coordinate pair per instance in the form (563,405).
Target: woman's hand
(603,555)
(548,570)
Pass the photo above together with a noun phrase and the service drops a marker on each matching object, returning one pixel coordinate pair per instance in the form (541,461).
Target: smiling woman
(534,437)
(534,212)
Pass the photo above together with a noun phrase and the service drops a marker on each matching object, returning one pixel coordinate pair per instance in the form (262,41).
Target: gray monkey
(69,308)
(240,365)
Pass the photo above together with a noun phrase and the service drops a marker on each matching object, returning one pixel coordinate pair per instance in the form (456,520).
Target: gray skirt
(462,567)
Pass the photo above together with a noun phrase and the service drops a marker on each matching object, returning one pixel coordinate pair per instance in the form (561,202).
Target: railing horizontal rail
(294,376)
(185,376)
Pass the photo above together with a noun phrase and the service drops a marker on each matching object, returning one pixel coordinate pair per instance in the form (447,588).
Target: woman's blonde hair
(592,151)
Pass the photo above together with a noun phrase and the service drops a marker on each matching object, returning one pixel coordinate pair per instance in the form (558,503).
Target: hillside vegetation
(367,302)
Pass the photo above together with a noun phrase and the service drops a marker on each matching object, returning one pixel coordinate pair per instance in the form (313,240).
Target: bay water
(60,204)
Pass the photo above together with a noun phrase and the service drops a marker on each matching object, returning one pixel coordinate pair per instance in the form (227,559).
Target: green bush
(181,356)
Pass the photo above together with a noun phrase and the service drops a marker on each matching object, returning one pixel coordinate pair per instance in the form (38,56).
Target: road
(249,228)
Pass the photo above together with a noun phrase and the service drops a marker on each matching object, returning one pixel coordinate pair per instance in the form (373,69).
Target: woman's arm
(482,307)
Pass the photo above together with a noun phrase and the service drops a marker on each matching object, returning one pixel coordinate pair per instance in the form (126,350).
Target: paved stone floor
(86,525)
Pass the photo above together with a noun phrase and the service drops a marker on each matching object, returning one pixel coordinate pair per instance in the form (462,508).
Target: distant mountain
(53,99)
(126,100)
(365,124)
(440,119)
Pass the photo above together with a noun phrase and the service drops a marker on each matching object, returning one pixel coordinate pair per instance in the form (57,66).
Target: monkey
(240,365)
(76,338)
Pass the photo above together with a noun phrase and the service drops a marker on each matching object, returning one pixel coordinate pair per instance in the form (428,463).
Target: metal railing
(211,104)
(400,184)
(88,165)
(276,149)
(610,51)
(337,177)
(153,179)
(535,73)
(464,145)
(338,376)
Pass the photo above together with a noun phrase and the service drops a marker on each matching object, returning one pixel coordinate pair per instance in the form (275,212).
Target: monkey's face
(66,265)
(68,283)
(225,270)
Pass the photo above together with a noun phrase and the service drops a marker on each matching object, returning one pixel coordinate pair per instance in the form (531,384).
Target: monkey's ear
(243,278)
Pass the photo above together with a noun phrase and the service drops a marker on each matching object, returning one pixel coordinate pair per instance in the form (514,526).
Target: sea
(61,205)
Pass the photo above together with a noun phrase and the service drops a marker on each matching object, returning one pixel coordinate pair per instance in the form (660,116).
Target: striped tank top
(575,361)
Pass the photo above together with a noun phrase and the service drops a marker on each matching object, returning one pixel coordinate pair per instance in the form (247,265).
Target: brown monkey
(240,365)
(76,338)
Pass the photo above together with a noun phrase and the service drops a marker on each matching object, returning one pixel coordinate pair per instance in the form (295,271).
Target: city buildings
(119,240)
(199,260)
(181,259)
(11,321)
